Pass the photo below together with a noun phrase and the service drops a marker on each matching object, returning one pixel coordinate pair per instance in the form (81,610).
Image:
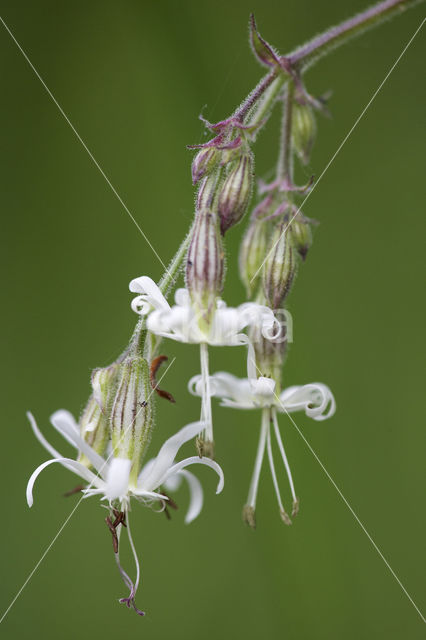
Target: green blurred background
(133,77)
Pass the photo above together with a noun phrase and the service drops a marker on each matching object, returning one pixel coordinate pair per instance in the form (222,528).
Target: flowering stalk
(113,433)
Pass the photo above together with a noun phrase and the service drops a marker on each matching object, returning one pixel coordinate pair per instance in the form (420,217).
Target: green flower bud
(205,265)
(235,193)
(301,235)
(94,427)
(304,130)
(280,266)
(252,253)
(131,412)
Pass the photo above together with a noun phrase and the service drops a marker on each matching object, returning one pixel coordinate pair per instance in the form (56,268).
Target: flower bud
(205,160)
(206,192)
(301,235)
(103,384)
(253,253)
(280,266)
(131,412)
(94,429)
(304,130)
(235,193)
(205,265)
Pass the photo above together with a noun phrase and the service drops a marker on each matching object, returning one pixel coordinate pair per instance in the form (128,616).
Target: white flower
(315,399)
(181,322)
(112,477)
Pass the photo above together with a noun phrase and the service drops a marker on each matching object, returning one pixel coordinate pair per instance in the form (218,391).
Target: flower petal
(40,437)
(196,460)
(316,399)
(196,495)
(64,422)
(117,480)
(150,289)
(152,478)
(73,465)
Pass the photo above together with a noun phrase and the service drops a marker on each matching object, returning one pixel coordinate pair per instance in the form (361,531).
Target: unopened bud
(235,192)
(304,130)
(205,265)
(280,266)
(205,160)
(94,429)
(252,253)
(131,412)
(301,235)
(103,384)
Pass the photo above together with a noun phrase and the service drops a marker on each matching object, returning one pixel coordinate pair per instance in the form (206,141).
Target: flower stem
(285,159)
(255,95)
(309,53)
(206,405)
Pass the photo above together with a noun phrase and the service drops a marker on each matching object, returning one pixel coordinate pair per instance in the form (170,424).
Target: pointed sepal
(263,51)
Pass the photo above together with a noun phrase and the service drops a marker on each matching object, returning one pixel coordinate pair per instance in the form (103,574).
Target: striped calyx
(303,131)
(280,266)
(252,253)
(131,412)
(235,192)
(205,265)
(94,425)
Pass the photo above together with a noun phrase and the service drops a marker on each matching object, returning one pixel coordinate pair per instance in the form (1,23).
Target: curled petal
(315,399)
(150,296)
(140,305)
(196,495)
(75,466)
(173,483)
(156,473)
(197,460)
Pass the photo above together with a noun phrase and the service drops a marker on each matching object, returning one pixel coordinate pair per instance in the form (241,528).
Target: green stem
(309,53)
(285,158)
(263,109)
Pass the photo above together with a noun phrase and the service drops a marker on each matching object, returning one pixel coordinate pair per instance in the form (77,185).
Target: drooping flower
(111,479)
(315,399)
(180,322)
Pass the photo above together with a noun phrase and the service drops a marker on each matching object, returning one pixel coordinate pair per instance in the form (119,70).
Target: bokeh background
(133,77)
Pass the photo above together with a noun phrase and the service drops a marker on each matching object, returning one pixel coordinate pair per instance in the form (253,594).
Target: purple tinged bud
(304,130)
(205,264)
(252,253)
(280,266)
(205,160)
(235,192)
(131,412)
(263,51)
